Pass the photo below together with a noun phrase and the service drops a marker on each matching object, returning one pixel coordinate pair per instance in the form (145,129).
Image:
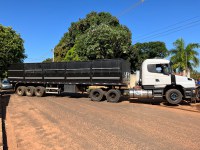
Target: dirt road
(62,123)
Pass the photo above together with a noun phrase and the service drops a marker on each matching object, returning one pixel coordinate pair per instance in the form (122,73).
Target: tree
(72,55)
(184,57)
(195,74)
(103,42)
(11,47)
(48,60)
(92,25)
(141,51)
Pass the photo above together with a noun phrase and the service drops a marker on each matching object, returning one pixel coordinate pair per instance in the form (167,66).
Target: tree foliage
(48,60)
(99,35)
(11,47)
(103,42)
(141,51)
(184,57)
(195,75)
(72,55)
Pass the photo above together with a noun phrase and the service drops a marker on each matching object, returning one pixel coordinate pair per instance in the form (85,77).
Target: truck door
(162,75)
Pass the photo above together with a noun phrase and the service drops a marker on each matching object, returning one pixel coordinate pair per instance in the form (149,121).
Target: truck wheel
(198,93)
(174,96)
(30,90)
(96,95)
(113,96)
(21,90)
(39,91)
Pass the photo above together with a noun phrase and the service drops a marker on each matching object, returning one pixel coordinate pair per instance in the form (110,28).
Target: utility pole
(53,54)
(186,69)
(186,66)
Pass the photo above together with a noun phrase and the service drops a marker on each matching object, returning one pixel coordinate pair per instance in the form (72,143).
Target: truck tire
(174,96)
(30,90)
(113,96)
(21,90)
(198,93)
(39,91)
(96,95)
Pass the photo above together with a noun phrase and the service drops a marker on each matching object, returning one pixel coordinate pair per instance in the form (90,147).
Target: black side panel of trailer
(16,72)
(54,72)
(97,72)
(78,72)
(106,71)
(33,72)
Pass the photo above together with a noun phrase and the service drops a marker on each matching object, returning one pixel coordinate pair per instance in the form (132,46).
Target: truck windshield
(159,68)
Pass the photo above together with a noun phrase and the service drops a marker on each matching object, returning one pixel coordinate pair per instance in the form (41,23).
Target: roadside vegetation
(184,57)
(101,36)
(11,48)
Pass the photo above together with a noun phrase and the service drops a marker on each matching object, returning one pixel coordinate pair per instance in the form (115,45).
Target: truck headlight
(194,91)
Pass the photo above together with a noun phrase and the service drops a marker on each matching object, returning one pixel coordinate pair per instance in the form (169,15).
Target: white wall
(132,80)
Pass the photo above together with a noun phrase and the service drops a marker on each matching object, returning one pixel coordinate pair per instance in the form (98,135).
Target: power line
(121,14)
(130,8)
(172,25)
(170,31)
(177,30)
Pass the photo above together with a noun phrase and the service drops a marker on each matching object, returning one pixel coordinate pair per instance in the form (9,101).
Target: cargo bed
(97,72)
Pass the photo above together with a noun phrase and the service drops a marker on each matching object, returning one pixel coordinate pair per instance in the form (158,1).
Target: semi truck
(103,79)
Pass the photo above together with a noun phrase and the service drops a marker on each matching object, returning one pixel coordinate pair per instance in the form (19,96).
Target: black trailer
(39,78)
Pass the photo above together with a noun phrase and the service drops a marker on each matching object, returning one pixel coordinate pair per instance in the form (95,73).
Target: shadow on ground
(186,104)
(70,95)
(4,101)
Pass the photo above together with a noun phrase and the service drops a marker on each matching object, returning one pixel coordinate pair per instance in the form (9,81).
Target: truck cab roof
(156,61)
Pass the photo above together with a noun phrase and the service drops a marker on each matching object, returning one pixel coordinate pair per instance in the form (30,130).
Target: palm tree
(184,58)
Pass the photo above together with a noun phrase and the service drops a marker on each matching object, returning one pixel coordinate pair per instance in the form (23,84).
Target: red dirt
(60,123)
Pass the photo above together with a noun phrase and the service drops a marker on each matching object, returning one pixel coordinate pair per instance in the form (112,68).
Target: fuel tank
(140,93)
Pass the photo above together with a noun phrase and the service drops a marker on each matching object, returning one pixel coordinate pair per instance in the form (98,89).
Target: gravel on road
(61,123)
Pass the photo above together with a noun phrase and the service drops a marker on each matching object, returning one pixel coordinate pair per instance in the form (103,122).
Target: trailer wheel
(113,96)
(96,95)
(30,90)
(174,96)
(21,90)
(39,91)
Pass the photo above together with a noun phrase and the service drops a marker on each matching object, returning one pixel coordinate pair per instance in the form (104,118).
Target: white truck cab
(156,72)
(157,81)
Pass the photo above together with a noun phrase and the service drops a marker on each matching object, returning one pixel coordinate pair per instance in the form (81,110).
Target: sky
(42,23)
